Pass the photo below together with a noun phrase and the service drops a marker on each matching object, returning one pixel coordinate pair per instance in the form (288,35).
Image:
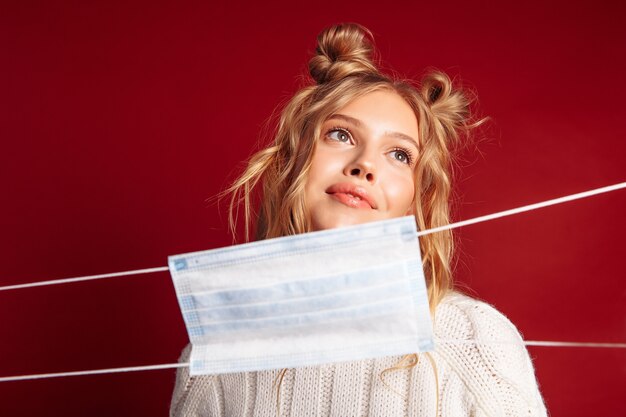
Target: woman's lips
(351,201)
(351,196)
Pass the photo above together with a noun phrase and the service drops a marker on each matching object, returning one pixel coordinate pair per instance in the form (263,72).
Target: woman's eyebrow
(359,124)
(352,120)
(404,137)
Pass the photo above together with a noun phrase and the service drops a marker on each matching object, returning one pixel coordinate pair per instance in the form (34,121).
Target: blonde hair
(343,69)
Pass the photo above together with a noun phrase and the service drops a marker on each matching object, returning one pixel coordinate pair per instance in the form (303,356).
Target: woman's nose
(363,167)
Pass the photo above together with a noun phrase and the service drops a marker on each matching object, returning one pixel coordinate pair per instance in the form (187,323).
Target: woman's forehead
(380,110)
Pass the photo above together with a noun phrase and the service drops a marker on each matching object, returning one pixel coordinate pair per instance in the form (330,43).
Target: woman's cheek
(400,193)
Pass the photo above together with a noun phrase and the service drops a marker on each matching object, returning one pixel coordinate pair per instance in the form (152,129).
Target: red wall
(119,120)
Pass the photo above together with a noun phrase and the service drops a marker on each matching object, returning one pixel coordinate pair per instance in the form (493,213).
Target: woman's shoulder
(487,352)
(471,332)
(461,317)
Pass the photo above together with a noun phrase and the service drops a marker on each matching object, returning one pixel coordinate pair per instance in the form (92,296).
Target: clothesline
(450,226)
(543,343)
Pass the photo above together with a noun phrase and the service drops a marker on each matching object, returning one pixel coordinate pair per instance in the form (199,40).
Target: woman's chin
(336,222)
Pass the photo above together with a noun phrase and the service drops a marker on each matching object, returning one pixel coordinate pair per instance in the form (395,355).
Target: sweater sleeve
(488,354)
(193,396)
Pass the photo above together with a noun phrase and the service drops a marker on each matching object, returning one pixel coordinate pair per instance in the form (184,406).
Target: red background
(119,119)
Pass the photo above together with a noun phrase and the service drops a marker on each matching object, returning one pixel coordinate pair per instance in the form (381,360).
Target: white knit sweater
(482,367)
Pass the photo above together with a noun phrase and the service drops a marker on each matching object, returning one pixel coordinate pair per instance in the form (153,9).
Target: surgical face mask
(331,296)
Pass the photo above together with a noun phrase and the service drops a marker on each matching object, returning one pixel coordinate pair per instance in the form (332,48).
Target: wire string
(95,372)
(523,209)
(85,278)
(450,226)
(543,343)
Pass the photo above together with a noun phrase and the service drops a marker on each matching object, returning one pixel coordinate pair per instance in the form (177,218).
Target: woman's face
(362,168)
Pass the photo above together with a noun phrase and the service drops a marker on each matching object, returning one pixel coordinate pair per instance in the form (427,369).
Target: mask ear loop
(434,366)
(277,384)
(407,362)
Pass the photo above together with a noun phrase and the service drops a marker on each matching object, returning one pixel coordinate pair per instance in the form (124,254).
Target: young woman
(353,147)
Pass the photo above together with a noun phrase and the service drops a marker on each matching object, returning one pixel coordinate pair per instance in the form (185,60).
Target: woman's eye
(339,135)
(401,156)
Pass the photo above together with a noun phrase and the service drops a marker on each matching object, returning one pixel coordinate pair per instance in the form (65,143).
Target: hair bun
(449,106)
(342,50)
(436,87)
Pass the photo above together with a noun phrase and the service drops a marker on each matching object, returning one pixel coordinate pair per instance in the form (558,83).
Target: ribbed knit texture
(482,365)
